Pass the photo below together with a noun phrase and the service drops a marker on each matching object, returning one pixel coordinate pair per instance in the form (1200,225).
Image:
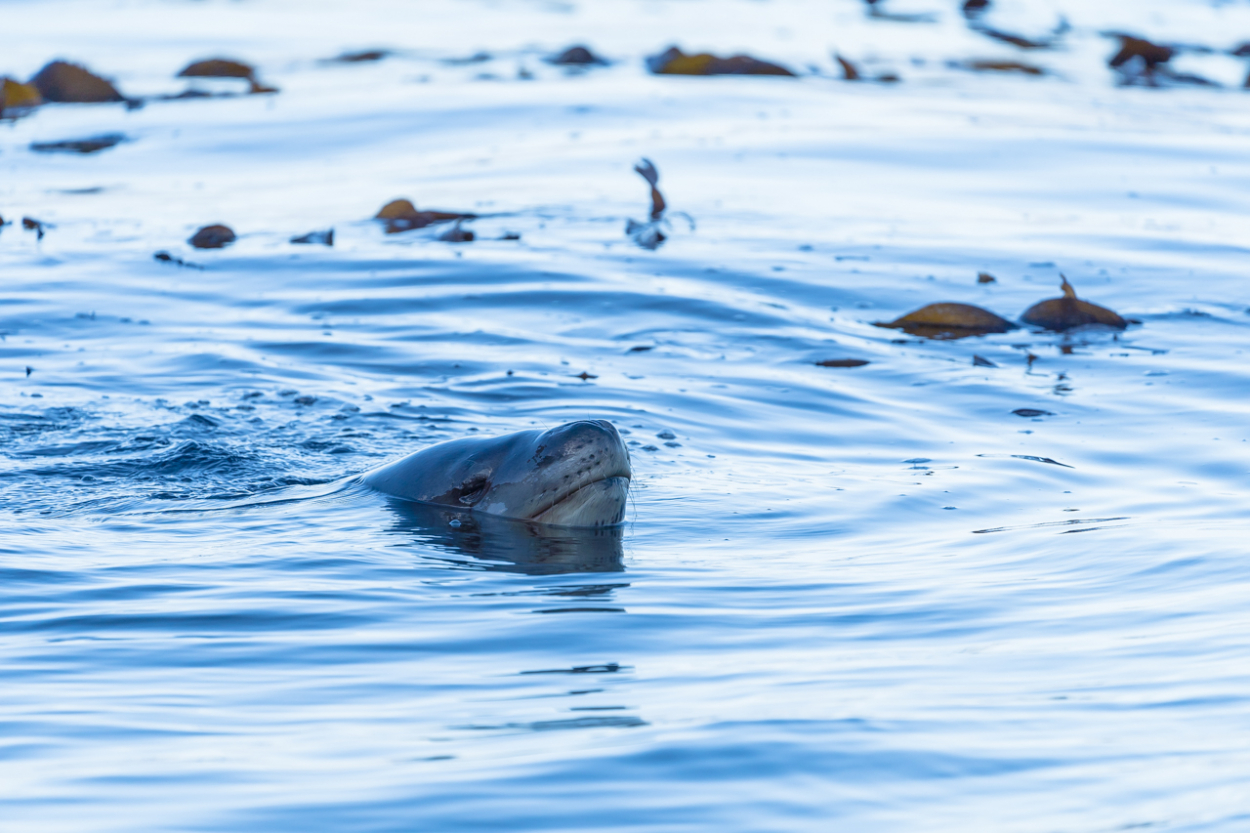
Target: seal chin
(600,503)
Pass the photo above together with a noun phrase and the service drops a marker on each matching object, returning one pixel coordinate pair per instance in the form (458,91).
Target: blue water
(853,598)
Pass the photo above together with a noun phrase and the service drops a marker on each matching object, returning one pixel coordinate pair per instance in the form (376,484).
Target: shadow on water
(510,545)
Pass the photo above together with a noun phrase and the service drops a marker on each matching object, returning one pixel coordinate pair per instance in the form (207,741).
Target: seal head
(576,474)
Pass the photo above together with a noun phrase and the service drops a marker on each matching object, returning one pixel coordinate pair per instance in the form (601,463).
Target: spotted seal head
(576,474)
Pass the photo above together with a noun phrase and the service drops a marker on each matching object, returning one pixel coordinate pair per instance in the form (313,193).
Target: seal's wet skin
(576,474)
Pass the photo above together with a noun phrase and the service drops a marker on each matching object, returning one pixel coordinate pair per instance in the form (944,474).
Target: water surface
(869,598)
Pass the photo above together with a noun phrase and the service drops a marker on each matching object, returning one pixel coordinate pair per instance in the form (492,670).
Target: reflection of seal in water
(574,475)
(501,544)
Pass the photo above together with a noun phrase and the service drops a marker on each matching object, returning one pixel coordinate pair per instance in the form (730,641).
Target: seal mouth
(587,472)
(599,502)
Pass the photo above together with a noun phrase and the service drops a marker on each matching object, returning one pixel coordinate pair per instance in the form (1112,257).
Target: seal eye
(472,489)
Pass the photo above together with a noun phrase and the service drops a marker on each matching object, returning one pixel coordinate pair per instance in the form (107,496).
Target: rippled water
(868,598)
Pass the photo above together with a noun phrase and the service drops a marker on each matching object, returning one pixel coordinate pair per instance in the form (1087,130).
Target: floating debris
(325,238)
(455,234)
(212,237)
(577,56)
(675,62)
(17,98)
(950,321)
(401,215)
(986,277)
(1036,459)
(62,81)
(1031,412)
(842,363)
(37,226)
(585,377)
(91,145)
(1068,312)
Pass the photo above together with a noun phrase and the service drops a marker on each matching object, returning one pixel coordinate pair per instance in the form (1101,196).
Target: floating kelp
(325,238)
(1152,56)
(212,237)
(17,98)
(850,72)
(1068,312)
(475,58)
(647,170)
(218,68)
(1004,66)
(675,62)
(401,215)
(949,321)
(649,235)
(973,9)
(1016,40)
(90,145)
(62,81)
(166,257)
(842,363)
(37,226)
(875,10)
(577,56)
(361,57)
(1242,50)
(223,68)
(1140,62)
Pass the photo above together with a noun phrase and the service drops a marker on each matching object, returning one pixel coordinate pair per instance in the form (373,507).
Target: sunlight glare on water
(868,597)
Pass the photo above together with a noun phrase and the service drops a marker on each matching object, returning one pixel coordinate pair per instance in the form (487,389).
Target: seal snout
(588,449)
(586,469)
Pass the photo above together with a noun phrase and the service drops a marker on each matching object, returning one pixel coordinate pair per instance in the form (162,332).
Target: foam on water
(864,597)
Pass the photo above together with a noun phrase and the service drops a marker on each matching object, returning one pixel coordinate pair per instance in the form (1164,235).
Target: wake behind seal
(576,474)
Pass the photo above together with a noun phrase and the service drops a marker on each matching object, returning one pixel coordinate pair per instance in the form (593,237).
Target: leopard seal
(576,474)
